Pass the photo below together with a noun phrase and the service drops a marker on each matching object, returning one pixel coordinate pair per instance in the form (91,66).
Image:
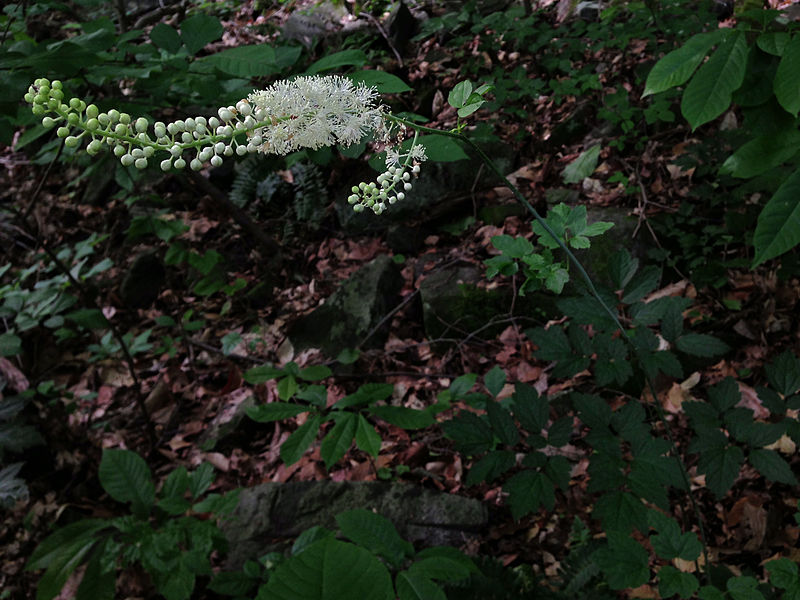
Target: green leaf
(770,464)
(782,573)
(530,409)
(330,570)
(459,94)
(413,585)
(179,584)
(287,387)
(369,393)
(310,536)
(583,166)
(199,30)
(52,547)
(709,592)
(176,484)
(527,491)
(624,562)
(513,247)
(90,318)
(671,581)
(470,108)
(783,373)
(469,432)
(338,440)
(443,568)
(96,584)
(164,36)
(491,466)
(774,42)
(671,542)
(315,373)
(384,82)
(405,418)
(743,588)
(261,374)
(676,67)
(201,479)
(296,444)
(127,478)
(10,344)
(367,439)
(502,423)
(644,282)
(787,82)
(709,92)
(462,385)
(348,356)
(621,511)
(724,395)
(345,58)
(700,344)
(778,226)
(275,411)
(62,566)
(621,267)
(721,467)
(761,154)
(375,533)
(233,583)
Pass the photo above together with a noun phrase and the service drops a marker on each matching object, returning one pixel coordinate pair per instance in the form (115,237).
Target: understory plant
(637,471)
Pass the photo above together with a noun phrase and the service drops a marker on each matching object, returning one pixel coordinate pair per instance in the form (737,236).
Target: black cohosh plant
(636,474)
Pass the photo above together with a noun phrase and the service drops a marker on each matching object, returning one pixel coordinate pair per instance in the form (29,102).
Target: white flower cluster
(392,184)
(312,112)
(307,112)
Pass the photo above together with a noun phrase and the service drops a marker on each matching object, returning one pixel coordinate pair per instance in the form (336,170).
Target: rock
(273,511)
(352,311)
(143,281)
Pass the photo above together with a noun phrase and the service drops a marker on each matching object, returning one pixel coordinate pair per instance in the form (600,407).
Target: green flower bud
(121,129)
(141,125)
(216,161)
(137,153)
(75,103)
(104,119)
(140,163)
(186,137)
(160,129)
(92,125)
(56,95)
(62,132)
(407,187)
(400,195)
(125,118)
(180,163)
(48,122)
(71,142)
(228,151)
(113,114)
(166,164)
(73,119)
(241,150)
(148,151)
(94,147)
(354,189)
(119,150)
(196,165)
(29,97)
(44,90)
(40,99)
(38,110)
(56,85)
(126,160)
(53,104)
(358,208)
(352,199)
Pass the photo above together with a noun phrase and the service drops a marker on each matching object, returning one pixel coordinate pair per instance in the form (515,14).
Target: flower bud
(141,125)
(148,151)
(94,147)
(190,124)
(56,85)
(74,103)
(29,97)
(53,104)
(48,122)
(225,114)
(352,199)
(176,150)
(180,163)
(104,119)
(56,95)
(407,186)
(62,132)
(126,160)
(216,161)
(92,124)
(71,142)
(244,108)
(228,151)
(415,169)
(186,137)
(241,150)
(73,119)
(140,163)
(113,114)
(196,165)
(201,121)
(125,118)
(219,147)
(166,164)
(121,129)
(92,111)
(401,196)
(213,123)
(358,208)
(137,153)
(38,110)
(119,150)
(160,129)
(180,125)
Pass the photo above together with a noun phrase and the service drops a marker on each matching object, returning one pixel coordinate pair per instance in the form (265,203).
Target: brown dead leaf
(16,379)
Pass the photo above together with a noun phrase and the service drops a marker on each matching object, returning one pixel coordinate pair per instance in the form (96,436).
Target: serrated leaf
(443,568)
(412,585)
(384,82)
(530,409)
(721,467)
(621,268)
(367,439)
(54,545)
(778,226)
(462,385)
(491,466)
(127,478)
(296,444)
(621,511)
(743,588)
(502,424)
(469,432)
(770,464)
(623,562)
(582,167)
(201,479)
(783,373)
(552,342)
(786,83)
(405,418)
(641,284)
(527,491)
(513,247)
(275,411)
(782,573)
(344,58)
(176,484)
(700,344)
(376,533)
(672,543)
(10,344)
(709,92)
(676,67)
(495,379)
(673,582)
(199,30)
(338,440)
